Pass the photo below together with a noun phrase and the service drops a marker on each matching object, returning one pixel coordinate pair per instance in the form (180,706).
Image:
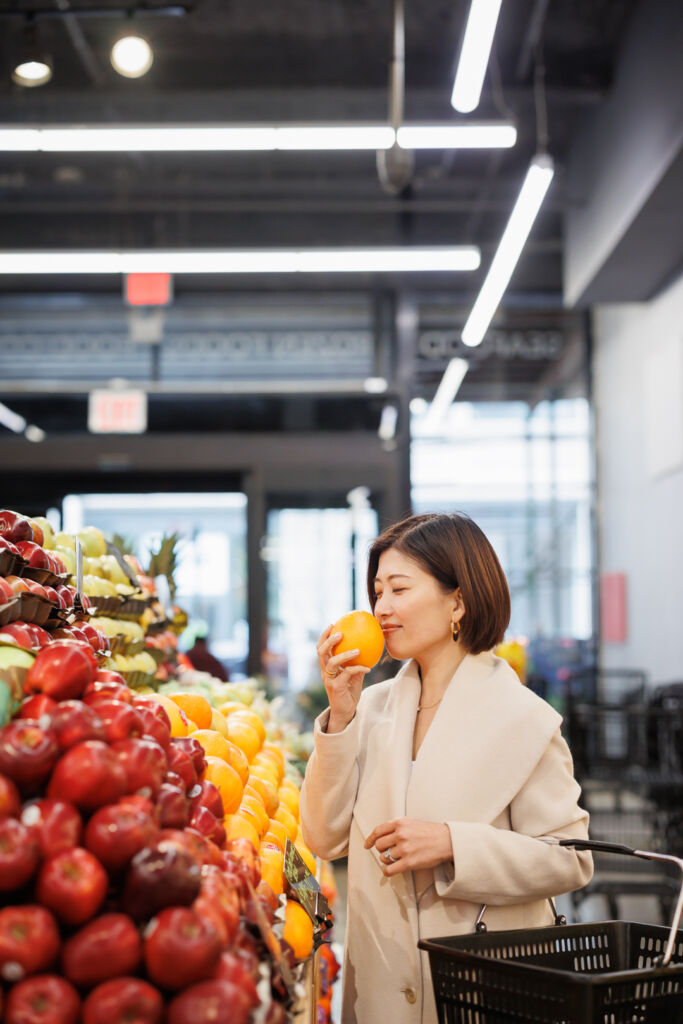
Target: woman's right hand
(343,683)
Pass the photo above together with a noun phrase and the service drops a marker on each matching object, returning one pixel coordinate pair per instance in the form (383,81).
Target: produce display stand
(97,715)
(612,972)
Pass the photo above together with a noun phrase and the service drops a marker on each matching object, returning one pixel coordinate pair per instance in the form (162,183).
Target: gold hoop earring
(456,631)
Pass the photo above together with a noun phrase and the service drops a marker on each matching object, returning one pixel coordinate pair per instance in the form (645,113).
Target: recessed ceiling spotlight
(33,64)
(131,56)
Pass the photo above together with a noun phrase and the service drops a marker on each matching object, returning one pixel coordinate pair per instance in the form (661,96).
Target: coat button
(410,994)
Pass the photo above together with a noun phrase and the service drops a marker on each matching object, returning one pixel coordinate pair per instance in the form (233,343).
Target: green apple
(112,570)
(10,656)
(92,541)
(68,556)
(48,532)
(65,540)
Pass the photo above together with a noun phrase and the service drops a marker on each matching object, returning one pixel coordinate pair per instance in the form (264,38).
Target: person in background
(446,785)
(203,660)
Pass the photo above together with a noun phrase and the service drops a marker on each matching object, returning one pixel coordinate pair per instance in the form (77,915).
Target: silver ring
(387,856)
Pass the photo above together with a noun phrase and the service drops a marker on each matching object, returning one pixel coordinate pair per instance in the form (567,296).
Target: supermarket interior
(272,279)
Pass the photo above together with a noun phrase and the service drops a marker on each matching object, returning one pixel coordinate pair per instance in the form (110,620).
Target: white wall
(638,379)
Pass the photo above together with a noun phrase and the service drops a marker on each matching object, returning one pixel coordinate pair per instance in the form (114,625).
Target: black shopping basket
(614,972)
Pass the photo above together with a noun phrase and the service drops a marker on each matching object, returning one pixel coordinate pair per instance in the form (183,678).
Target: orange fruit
(361,630)
(289,796)
(195,706)
(213,743)
(253,804)
(218,723)
(264,759)
(307,856)
(298,931)
(249,815)
(278,830)
(243,735)
(288,820)
(268,790)
(177,717)
(238,761)
(265,771)
(270,839)
(230,706)
(237,827)
(272,748)
(272,863)
(247,715)
(227,780)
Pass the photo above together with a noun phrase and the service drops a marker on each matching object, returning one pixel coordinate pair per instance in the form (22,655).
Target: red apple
(204,821)
(18,584)
(159,876)
(108,947)
(73,722)
(33,554)
(116,833)
(55,825)
(36,588)
(27,753)
(39,636)
(10,801)
(72,885)
(7,545)
(88,775)
(14,527)
(154,728)
(144,762)
(65,595)
(120,721)
(6,592)
(57,566)
(19,854)
(180,762)
(210,1002)
(37,706)
(123,1001)
(43,999)
(29,941)
(246,858)
(195,750)
(237,966)
(173,807)
(61,670)
(19,633)
(206,794)
(180,948)
(142,701)
(99,690)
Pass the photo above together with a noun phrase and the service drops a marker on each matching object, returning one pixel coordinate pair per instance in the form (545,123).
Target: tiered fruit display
(141,833)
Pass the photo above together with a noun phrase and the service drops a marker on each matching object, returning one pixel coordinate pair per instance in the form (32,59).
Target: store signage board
(148,289)
(113,411)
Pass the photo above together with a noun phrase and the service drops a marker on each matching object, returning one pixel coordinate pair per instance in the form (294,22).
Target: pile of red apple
(121,900)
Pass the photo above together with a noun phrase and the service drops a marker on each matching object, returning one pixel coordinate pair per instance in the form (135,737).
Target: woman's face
(414,611)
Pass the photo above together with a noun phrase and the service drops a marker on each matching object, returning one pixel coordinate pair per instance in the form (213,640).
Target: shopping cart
(614,972)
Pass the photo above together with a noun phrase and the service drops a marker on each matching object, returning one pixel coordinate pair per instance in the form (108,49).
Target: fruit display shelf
(143,835)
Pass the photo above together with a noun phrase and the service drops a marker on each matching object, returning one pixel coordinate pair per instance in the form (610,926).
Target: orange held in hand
(361,630)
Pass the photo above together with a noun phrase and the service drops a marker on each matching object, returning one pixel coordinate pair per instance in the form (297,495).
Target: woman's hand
(407,844)
(343,683)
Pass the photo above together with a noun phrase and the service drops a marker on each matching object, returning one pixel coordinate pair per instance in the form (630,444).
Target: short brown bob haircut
(453,550)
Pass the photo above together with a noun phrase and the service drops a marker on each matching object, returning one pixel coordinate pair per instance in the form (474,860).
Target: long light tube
(247,261)
(18,425)
(448,388)
(522,218)
(474,55)
(245,138)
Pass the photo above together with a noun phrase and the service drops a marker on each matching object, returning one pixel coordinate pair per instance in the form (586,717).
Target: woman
(440,784)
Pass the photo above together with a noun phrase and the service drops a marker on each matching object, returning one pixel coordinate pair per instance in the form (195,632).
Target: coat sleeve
(500,866)
(328,793)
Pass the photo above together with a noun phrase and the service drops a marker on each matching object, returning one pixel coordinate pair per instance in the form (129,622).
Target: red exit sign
(117,412)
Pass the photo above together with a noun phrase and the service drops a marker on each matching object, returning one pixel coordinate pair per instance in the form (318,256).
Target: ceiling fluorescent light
(457,136)
(474,55)
(12,420)
(448,388)
(249,138)
(248,261)
(387,423)
(522,218)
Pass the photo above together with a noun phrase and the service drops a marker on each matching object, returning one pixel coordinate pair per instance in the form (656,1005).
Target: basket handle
(480,923)
(601,847)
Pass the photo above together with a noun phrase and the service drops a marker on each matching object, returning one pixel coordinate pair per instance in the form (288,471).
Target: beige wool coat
(495,768)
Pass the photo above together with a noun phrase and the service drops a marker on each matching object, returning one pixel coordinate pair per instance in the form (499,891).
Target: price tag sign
(305,886)
(117,412)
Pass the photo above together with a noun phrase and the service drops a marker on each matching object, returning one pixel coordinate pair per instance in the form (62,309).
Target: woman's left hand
(407,844)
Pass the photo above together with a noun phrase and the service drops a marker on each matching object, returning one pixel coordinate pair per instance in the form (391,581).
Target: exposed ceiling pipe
(395,166)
